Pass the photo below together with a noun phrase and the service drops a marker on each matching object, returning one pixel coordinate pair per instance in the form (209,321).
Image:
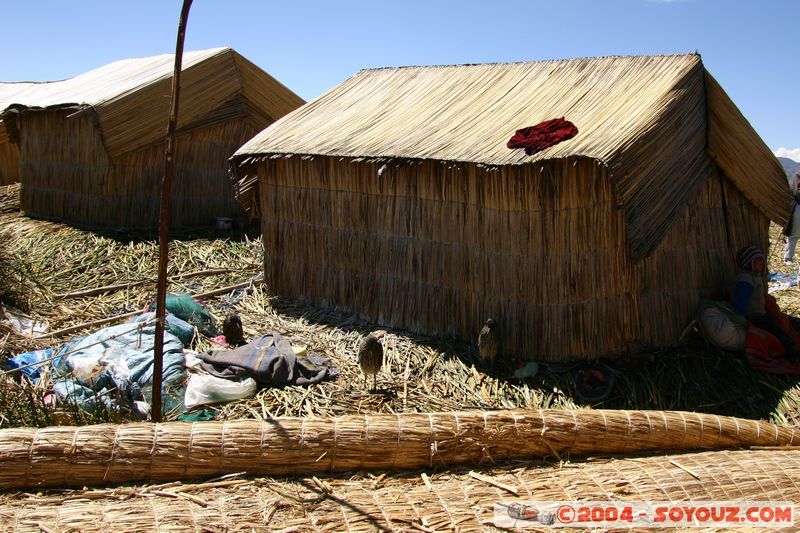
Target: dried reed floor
(420,374)
(457,499)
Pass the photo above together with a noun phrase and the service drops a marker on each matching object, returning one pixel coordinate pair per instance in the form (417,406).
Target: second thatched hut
(395,196)
(90,149)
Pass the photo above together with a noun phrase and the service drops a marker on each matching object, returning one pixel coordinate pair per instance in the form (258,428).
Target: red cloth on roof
(543,135)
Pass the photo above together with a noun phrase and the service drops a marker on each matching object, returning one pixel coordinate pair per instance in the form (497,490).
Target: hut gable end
(746,160)
(137,118)
(658,172)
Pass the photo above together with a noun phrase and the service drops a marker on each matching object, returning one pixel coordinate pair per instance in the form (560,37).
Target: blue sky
(751,47)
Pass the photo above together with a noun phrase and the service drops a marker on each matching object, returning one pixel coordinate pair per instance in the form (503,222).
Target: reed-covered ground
(70,277)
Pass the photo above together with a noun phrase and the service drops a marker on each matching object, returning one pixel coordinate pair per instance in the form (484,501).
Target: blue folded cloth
(33,373)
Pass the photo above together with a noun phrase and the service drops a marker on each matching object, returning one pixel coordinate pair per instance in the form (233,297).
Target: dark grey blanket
(270,360)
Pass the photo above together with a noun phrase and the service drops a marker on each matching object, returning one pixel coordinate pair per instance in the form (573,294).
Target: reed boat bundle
(67,456)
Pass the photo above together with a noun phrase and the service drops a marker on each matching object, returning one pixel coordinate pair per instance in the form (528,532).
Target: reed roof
(651,119)
(131,96)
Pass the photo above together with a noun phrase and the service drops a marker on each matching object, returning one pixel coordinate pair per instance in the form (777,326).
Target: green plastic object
(190,310)
(528,370)
(198,416)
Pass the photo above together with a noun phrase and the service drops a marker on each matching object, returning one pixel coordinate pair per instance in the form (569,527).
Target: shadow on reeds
(692,377)
(240,233)
(248,230)
(251,232)
(689,379)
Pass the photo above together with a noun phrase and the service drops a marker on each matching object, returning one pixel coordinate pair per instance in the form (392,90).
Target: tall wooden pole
(163,222)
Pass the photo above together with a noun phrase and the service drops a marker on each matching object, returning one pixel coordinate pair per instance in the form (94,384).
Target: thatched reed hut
(395,196)
(91,148)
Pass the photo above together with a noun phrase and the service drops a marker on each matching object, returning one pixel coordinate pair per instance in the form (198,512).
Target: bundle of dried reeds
(458,499)
(104,454)
(9,198)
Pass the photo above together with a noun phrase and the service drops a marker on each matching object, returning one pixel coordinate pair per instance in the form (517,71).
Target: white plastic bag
(114,361)
(87,366)
(21,324)
(205,389)
(191,361)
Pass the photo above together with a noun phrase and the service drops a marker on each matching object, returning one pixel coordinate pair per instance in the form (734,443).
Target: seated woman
(750,300)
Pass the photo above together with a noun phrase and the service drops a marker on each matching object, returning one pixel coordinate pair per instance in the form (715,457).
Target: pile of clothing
(269,360)
(113,367)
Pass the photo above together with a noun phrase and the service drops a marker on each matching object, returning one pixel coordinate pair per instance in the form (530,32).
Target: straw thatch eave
(9,151)
(237,107)
(657,173)
(131,97)
(221,87)
(12,116)
(101,85)
(744,157)
(136,119)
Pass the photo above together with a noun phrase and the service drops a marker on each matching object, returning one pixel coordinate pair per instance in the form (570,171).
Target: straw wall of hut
(65,161)
(9,161)
(438,248)
(69,175)
(9,155)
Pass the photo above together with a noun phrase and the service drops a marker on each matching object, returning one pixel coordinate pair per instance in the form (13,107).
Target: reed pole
(163,222)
